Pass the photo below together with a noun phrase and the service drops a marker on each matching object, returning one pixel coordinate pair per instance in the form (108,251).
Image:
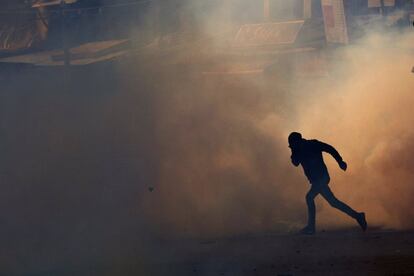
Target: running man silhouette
(308,153)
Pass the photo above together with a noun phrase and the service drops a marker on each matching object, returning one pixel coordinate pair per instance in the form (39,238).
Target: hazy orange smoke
(224,161)
(368,115)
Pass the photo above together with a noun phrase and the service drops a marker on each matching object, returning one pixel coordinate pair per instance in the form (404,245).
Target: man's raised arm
(335,154)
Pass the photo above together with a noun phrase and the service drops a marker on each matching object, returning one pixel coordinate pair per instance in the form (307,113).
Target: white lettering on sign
(268,33)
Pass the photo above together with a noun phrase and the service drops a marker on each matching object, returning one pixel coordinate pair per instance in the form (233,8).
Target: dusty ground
(331,253)
(344,252)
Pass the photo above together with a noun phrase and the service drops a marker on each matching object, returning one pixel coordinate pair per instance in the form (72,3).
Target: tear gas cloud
(367,114)
(225,165)
(77,162)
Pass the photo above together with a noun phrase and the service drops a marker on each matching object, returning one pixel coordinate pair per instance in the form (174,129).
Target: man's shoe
(308,230)
(362,221)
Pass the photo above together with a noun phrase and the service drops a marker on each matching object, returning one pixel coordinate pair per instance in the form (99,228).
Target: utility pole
(383,12)
(66,49)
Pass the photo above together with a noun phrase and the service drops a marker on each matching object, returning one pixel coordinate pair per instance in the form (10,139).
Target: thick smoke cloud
(368,115)
(78,159)
(224,165)
(221,171)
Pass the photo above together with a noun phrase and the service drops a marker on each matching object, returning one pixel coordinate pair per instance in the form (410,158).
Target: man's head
(295,138)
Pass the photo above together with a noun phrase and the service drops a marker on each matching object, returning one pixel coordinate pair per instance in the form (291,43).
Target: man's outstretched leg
(336,203)
(310,202)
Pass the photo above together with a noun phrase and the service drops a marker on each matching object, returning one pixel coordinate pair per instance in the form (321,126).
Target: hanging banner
(335,22)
